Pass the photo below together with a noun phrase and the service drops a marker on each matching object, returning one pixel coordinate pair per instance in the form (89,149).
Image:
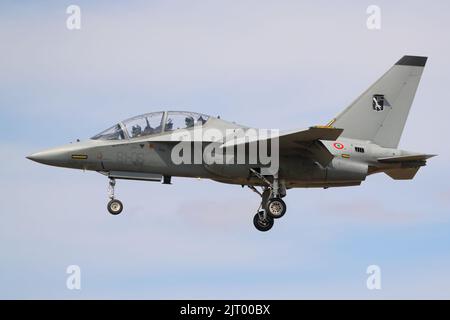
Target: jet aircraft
(360,141)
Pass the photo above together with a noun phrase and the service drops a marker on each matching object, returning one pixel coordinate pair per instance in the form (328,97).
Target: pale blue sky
(270,64)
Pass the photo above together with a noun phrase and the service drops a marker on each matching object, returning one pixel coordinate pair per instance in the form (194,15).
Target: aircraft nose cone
(34,157)
(50,157)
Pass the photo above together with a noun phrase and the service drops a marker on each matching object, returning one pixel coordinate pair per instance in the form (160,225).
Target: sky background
(269,64)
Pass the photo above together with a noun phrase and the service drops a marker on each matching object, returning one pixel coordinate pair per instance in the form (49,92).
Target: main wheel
(276,208)
(115,207)
(262,224)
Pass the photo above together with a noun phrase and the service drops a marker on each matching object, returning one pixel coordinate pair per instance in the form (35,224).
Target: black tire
(115,207)
(262,224)
(276,208)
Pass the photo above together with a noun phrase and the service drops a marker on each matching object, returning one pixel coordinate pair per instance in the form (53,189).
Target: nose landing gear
(114,206)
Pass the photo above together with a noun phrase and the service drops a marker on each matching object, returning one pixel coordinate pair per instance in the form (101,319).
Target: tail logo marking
(378,102)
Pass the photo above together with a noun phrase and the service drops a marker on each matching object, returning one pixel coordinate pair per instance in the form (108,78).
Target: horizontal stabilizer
(402,174)
(406,158)
(404,167)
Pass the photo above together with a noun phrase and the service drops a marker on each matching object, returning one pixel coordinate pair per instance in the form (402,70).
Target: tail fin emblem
(378,102)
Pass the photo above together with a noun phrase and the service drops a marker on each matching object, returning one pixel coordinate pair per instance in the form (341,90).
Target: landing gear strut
(272,206)
(114,206)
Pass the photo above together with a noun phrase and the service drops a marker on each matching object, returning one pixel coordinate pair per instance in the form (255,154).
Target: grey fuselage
(149,158)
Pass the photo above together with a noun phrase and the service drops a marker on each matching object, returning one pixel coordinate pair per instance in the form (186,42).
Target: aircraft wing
(304,143)
(290,139)
(300,142)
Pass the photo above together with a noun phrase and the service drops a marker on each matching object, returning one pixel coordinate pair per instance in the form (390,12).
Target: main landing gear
(115,207)
(262,222)
(272,206)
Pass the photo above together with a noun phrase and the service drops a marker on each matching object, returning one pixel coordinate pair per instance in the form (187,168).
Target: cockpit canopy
(152,123)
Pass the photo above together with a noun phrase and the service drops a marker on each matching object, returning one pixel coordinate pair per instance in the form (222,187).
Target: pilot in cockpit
(136,131)
(148,128)
(119,133)
(201,120)
(189,121)
(169,125)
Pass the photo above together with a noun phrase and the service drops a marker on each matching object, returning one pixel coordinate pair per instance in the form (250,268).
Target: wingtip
(415,61)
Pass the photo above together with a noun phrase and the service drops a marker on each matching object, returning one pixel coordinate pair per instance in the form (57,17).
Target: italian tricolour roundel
(338,145)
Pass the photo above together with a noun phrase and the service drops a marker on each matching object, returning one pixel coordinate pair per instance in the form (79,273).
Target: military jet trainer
(362,140)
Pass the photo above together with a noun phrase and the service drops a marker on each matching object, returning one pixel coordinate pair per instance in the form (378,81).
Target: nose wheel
(114,206)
